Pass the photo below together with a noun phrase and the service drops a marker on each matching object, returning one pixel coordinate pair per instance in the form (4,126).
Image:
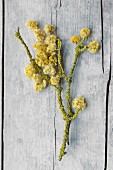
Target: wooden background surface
(33,124)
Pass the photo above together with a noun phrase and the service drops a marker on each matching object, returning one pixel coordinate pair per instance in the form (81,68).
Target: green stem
(65,116)
(60,104)
(68,122)
(78,51)
(68,97)
(66,134)
(70,119)
(60,68)
(74,64)
(17,34)
(74,116)
(68,131)
(68,91)
(65,139)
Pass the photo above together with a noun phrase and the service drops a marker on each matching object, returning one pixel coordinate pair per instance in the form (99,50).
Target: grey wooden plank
(29,116)
(87,139)
(110,127)
(0,78)
(108,55)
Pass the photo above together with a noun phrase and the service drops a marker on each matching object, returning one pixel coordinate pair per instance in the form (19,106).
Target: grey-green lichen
(46,69)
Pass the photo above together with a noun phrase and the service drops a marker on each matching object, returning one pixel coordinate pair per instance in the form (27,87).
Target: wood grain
(33,125)
(108,62)
(87,140)
(29,116)
(0,80)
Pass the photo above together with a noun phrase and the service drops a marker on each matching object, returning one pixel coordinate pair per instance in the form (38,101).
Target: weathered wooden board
(87,141)
(33,123)
(0,78)
(29,116)
(108,62)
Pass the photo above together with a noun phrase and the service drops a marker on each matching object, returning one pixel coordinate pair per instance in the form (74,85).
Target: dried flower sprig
(46,69)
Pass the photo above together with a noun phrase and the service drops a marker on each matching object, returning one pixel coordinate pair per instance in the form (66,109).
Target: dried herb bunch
(46,69)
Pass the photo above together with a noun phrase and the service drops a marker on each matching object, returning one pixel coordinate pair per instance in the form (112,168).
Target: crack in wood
(107,111)
(54,153)
(60,4)
(102,36)
(53,162)
(2,123)
(57,4)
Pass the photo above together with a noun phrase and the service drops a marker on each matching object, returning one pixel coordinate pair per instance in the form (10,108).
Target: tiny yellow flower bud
(39,87)
(29,71)
(51,48)
(40,54)
(40,38)
(85,32)
(40,46)
(51,39)
(75,39)
(53,60)
(42,62)
(32,25)
(39,62)
(40,35)
(49,29)
(55,80)
(37,78)
(93,46)
(79,103)
(50,70)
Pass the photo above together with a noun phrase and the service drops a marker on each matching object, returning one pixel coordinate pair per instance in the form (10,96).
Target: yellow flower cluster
(75,39)
(93,46)
(51,47)
(50,70)
(53,60)
(45,60)
(46,55)
(79,103)
(51,39)
(40,86)
(55,80)
(49,29)
(40,54)
(29,71)
(85,32)
(37,78)
(40,35)
(32,25)
(45,45)
(39,46)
